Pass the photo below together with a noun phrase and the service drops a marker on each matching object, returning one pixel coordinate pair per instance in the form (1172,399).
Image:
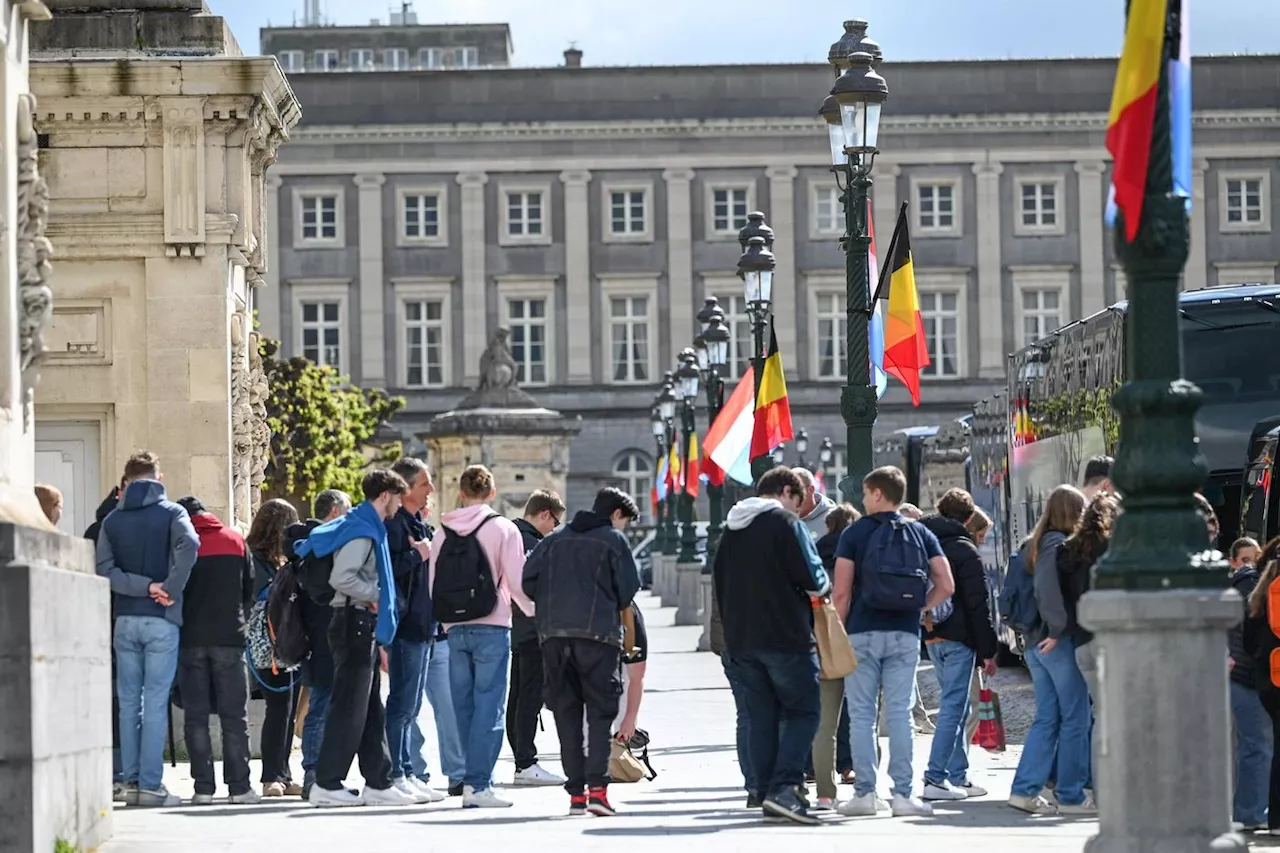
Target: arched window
(635,470)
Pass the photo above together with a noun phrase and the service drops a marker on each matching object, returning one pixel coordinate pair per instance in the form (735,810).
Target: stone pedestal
(688,593)
(1163,686)
(670,581)
(704,640)
(55,665)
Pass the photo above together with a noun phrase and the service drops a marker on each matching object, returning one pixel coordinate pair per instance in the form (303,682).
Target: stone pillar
(679,262)
(1092,207)
(373,357)
(474,282)
(704,640)
(1196,274)
(1140,807)
(689,593)
(884,208)
(577,264)
(670,581)
(990,279)
(267,299)
(782,219)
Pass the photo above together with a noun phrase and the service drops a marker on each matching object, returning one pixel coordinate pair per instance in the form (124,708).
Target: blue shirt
(852,546)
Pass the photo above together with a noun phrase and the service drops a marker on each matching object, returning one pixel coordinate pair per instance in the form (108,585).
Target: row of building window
(387,59)
(629,211)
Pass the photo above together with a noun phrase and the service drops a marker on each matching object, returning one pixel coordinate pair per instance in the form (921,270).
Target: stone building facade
(591,210)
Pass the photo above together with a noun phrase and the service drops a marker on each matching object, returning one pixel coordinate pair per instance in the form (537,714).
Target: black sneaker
(754,801)
(455,790)
(788,806)
(577,804)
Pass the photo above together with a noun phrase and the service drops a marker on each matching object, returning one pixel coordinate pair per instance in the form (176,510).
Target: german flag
(906,350)
(691,473)
(773,412)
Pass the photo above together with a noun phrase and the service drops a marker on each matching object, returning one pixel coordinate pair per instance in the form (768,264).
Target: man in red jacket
(211,674)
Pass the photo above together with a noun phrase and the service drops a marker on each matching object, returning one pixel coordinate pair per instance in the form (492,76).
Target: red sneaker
(598,803)
(577,804)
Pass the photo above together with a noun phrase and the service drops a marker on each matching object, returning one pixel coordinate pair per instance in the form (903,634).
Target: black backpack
(894,571)
(285,618)
(313,576)
(463,589)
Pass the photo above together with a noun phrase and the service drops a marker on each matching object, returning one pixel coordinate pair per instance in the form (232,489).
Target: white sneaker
(392,796)
(865,806)
(1088,807)
(202,800)
(970,790)
(535,776)
(909,807)
(1032,805)
(942,791)
(248,798)
(432,795)
(486,799)
(824,804)
(159,798)
(342,798)
(1237,826)
(411,791)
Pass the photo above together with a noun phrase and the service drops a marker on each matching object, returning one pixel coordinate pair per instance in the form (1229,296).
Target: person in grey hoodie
(815,506)
(1061,725)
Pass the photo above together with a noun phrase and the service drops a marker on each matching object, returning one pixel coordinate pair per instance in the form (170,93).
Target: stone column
(782,218)
(1092,206)
(704,640)
(577,264)
(372,282)
(1196,274)
(991,347)
(1143,746)
(670,581)
(267,298)
(679,263)
(689,593)
(474,282)
(884,208)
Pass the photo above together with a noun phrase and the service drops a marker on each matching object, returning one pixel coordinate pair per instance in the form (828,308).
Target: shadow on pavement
(693,750)
(993,813)
(738,789)
(236,811)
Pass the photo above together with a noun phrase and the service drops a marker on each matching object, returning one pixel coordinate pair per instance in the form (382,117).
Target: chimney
(573,58)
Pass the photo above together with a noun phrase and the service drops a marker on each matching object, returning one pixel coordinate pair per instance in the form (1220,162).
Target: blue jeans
(1253,756)
(886,660)
(743,734)
(406,673)
(146,662)
(453,760)
(948,756)
(478,666)
(780,690)
(313,725)
(1060,729)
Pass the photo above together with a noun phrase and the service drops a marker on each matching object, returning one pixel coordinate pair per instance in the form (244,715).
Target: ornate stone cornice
(805,126)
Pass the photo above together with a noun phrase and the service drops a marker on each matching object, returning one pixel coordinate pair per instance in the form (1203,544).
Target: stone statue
(35,298)
(259,390)
(498,389)
(241,420)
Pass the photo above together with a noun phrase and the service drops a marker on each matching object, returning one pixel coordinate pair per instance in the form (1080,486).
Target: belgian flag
(906,350)
(773,411)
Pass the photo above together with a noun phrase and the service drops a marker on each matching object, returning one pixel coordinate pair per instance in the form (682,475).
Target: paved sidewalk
(689,713)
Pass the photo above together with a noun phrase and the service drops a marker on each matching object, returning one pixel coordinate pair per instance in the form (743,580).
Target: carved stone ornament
(261,433)
(241,419)
(498,389)
(35,299)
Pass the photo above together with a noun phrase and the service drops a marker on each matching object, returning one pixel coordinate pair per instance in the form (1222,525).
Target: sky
(681,32)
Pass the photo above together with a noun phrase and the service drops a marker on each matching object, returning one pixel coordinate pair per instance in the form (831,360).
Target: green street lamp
(852,115)
(755,268)
(667,411)
(825,454)
(802,445)
(780,454)
(687,377)
(715,337)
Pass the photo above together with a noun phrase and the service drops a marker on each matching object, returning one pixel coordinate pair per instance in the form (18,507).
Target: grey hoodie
(816,520)
(1053,611)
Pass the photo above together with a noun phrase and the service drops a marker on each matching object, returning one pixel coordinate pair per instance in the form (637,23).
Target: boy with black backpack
(477,562)
(888,571)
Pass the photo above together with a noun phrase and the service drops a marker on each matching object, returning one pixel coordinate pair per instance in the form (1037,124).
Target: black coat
(1243,668)
(413,595)
(317,669)
(970,622)
(1075,578)
(524,629)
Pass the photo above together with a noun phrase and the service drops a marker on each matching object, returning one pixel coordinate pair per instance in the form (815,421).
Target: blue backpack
(1018,596)
(894,571)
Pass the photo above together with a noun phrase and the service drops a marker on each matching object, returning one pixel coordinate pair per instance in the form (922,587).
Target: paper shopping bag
(835,655)
(990,732)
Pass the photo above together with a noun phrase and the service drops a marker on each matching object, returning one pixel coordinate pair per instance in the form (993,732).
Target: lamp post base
(688,593)
(667,591)
(1163,697)
(704,640)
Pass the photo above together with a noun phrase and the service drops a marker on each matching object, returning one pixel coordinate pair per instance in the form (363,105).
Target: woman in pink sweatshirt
(476,611)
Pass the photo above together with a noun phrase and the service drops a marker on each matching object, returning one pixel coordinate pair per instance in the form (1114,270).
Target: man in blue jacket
(146,549)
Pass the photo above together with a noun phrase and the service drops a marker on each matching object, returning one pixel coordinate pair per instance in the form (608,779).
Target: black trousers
(278,724)
(524,701)
(357,722)
(1271,701)
(213,681)
(583,677)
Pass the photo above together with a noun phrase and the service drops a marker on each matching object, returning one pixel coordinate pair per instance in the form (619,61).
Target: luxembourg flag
(875,329)
(728,442)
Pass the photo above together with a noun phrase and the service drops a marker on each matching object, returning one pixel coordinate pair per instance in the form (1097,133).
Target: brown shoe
(292,789)
(846,778)
(273,789)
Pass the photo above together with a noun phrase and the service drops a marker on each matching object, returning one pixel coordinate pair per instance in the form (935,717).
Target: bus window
(1229,350)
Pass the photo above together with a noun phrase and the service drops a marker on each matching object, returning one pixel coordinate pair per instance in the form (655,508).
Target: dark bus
(1260,504)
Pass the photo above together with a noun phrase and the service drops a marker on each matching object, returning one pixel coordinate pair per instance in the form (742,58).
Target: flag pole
(885,271)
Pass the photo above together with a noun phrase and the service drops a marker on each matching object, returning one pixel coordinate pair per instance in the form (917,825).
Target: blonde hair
(476,483)
(978,522)
(1062,512)
(50,499)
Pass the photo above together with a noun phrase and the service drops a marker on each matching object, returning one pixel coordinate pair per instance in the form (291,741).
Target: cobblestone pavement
(689,713)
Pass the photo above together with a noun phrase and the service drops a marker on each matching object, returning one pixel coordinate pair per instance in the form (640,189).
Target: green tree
(323,429)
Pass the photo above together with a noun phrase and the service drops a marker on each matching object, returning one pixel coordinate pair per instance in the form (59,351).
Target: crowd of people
(371,588)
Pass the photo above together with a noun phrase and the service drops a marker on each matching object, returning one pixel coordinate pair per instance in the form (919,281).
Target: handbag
(835,656)
(625,765)
(990,732)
